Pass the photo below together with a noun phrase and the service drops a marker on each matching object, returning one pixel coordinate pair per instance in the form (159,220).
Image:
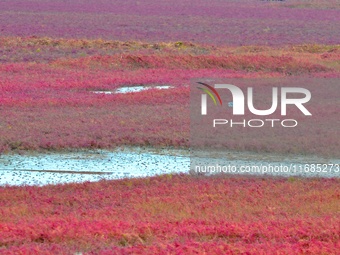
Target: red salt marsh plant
(242,22)
(173,214)
(48,104)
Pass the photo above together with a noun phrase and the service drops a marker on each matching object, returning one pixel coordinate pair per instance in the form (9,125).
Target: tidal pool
(131,89)
(66,167)
(54,168)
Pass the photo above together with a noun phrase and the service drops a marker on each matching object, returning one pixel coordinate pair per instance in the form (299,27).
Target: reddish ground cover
(46,103)
(173,214)
(46,100)
(229,22)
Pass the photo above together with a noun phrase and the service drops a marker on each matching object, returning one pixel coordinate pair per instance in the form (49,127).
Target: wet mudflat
(94,165)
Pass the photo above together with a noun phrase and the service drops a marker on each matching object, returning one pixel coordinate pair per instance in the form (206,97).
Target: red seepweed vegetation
(47,103)
(173,214)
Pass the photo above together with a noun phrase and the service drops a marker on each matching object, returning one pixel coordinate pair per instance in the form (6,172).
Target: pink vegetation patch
(173,214)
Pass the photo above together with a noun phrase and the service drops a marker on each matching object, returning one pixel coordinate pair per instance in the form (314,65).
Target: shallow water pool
(131,89)
(56,168)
